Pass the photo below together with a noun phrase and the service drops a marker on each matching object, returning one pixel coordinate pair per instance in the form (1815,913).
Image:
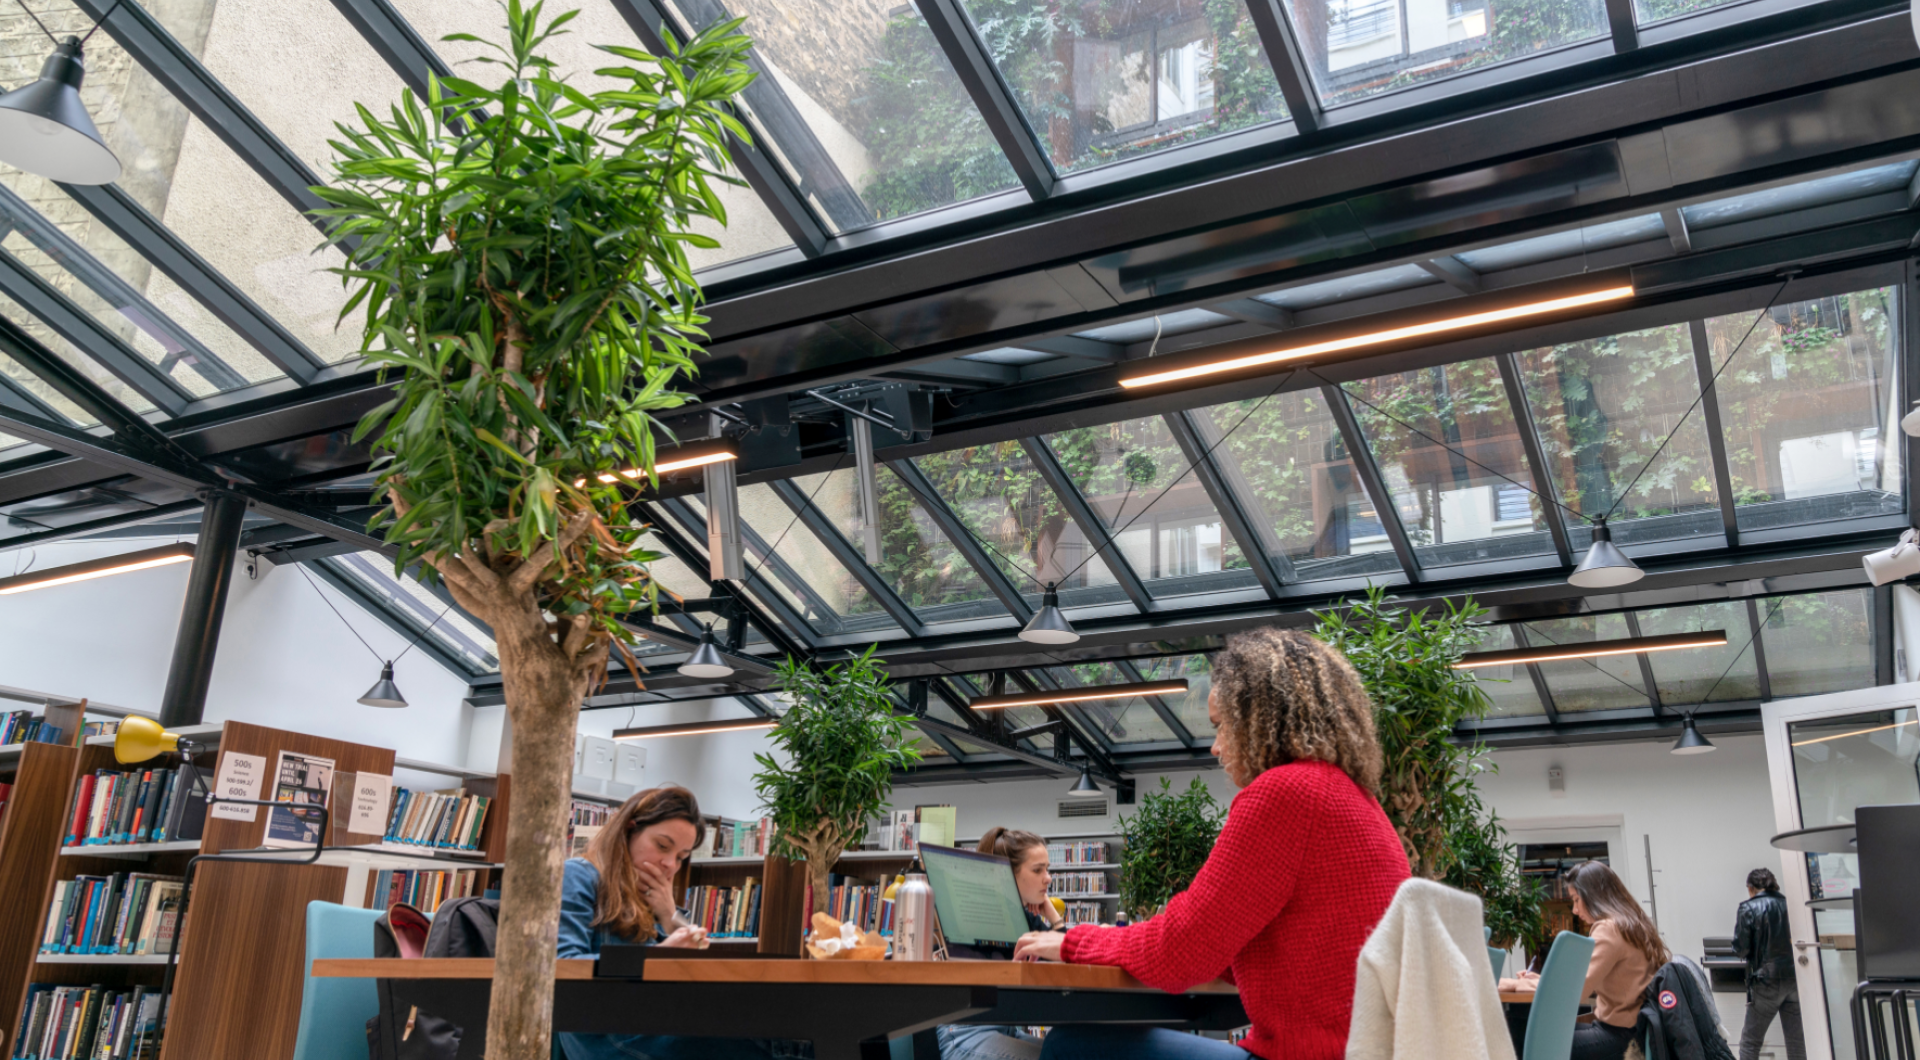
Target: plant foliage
(1167,838)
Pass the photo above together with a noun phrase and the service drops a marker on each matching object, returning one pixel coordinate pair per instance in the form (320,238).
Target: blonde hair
(621,908)
(1284,696)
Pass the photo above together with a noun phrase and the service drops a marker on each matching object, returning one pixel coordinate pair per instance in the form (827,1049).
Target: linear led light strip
(698,460)
(1714,638)
(697,728)
(1855,732)
(1079,695)
(99,568)
(1374,338)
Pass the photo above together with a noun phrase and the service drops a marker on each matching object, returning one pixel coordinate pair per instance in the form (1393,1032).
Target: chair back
(1556,998)
(1498,958)
(334,1012)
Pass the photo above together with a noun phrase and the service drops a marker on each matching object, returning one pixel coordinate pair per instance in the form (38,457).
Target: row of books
(449,819)
(18,726)
(1078,913)
(111,807)
(593,814)
(1089,852)
(1066,883)
(736,839)
(89,1023)
(726,912)
(854,901)
(423,889)
(125,913)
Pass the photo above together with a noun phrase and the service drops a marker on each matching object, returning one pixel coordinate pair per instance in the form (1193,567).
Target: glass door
(1829,755)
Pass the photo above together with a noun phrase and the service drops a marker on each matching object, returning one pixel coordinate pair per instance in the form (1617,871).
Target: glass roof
(416,606)
(1510,687)
(1117,721)
(1565,244)
(1800,195)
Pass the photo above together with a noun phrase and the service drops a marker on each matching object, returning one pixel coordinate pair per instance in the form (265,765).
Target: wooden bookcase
(30,834)
(782,924)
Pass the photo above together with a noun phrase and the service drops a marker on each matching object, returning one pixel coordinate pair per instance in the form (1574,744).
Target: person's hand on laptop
(1039,946)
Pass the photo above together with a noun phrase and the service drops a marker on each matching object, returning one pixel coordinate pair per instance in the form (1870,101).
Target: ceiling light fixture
(1375,338)
(1085,788)
(384,692)
(1604,566)
(1048,625)
(678,459)
(97,568)
(1713,638)
(45,129)
(706,661)
(1691,742)
(697,728)
(1079,695)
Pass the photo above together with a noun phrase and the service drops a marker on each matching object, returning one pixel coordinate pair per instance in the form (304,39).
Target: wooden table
(848,1009)
(1516,997)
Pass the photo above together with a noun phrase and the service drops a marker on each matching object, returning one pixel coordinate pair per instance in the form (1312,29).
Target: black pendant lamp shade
(384,692)
(706,660)
(1691,742)
(1605,566)
(1085,788)
(45,129)
(1048,625)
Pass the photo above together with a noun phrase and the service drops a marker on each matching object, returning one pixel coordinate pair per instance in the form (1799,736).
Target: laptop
(977,902)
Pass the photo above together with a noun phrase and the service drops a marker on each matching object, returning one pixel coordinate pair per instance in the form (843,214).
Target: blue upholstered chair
(334,1012)
(1498,958)
(1556,998)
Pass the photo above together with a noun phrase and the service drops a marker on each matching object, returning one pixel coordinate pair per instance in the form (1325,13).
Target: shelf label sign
(238,778)
(371,792)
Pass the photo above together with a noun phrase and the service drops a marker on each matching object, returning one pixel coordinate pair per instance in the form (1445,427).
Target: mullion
(1256,541)
(89,335)
(1907,311)
(75,386)
(1159,705)
(1086,734)
(1646,665)
(763,174)
(1716,440)
(795,626)
(167,252)
(1760,650)
(962,539)
(384,613)
(971,63)
(1289,63)
(1536,457)
(391,36)
(1371,479)
(1091,524)
(1539,677)
(830,537)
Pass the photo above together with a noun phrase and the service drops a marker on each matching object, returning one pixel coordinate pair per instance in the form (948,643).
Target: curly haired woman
(1304,868)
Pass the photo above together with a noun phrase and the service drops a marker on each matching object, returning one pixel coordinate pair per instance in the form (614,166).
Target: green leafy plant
(841,742)
(1484,863)
(519,264)
(1167,839)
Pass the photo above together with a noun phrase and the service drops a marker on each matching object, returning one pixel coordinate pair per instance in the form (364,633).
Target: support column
(201,613)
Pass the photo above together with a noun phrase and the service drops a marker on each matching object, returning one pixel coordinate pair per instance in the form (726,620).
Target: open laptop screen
(975,895)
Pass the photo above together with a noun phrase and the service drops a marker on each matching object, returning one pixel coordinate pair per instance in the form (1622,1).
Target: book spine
(82,802)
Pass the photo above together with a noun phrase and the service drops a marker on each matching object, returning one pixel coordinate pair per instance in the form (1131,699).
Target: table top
(1010,974)
(1507,997)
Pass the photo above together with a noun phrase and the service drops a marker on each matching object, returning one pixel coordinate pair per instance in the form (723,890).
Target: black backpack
(462,927)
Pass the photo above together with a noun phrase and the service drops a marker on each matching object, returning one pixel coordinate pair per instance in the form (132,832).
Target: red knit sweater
(1305,867)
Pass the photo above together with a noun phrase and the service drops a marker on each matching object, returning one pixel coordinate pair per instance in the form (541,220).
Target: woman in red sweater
(1303,869)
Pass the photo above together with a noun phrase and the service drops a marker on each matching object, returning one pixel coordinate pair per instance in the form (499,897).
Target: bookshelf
(30,832)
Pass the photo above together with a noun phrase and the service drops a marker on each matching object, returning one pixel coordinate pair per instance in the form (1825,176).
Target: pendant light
(1048,625)
(706,660)
(45,129)
(1691,742)
(1605,566)
(384,692)
(1085,788)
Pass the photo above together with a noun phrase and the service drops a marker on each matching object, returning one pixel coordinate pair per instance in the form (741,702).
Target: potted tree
(839,742)
(1166,840)
(518,261)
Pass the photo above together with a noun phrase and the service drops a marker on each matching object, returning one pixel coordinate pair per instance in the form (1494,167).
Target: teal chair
(1499,961)
(1556,998)
(334,1012)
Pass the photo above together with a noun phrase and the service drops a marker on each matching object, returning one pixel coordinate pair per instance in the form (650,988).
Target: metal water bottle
(913,920)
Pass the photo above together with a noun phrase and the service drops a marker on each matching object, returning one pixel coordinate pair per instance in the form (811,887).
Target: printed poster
(304,780)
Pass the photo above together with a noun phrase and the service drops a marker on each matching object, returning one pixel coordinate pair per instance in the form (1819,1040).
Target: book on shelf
(140,806)
(127,913)
(449,819)
(1088,852)
(1066,884)
(19,726)
(937,824)
(1078,913)
(88,1023)
(726,912)
(859,902)
(899,831)
(588,813)
(424,889)
(728,838)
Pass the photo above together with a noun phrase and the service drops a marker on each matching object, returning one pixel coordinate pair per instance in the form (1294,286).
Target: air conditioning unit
(1083,808)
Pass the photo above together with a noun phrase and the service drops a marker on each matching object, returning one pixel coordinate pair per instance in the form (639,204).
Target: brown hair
(1009,843)
(1284,696)
(1606,898)
(621,909)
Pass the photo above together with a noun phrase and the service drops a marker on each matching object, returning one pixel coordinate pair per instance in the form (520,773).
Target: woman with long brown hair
(1033,878)
(1627,951)
(1305,866)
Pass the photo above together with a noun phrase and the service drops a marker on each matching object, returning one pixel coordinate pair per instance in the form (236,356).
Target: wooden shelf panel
(132,851)
(101,958)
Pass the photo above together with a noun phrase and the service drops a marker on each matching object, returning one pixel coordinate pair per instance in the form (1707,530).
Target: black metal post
(200,614)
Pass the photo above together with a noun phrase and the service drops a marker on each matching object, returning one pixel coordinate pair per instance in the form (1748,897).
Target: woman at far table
(622,892)
(1627,951)
(1032,875)
(1305,866)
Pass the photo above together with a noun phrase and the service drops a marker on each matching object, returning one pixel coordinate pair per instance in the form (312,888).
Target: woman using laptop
(1027,853)
(622,892)
(1304,868)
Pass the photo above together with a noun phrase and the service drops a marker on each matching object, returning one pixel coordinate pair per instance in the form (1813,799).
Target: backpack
(462,927)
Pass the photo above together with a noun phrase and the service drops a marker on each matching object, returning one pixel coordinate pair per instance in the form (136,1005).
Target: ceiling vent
(1083,808)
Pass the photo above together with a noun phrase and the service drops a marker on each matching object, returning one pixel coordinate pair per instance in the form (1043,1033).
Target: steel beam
(956,532)
(948,21)
(198,640)
(394,38)
(1254,311)
(1197,441)
(1371,479)
(1536,457)
(1703,367)
(1675,223)
(1622,26)
(1091,524)
(1159,705)
(1646,666)
(674,533)
(1454,273)
(1291,66)
(88,335)
(844,554)
(1758,639)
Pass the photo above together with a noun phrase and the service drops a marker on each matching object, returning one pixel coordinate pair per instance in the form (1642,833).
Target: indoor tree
(518,257)
(841,742)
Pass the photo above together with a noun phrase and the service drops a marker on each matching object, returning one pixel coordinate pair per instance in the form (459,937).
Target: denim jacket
(579,898)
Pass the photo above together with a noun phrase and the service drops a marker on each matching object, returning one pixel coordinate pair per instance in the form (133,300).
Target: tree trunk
(543,690)
(820,866)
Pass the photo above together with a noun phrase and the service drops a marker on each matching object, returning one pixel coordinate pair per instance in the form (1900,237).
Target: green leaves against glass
(838,745)
(1167,838)
(519,271)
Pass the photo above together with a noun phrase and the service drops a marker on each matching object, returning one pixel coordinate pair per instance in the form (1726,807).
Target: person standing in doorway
(1762,938)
